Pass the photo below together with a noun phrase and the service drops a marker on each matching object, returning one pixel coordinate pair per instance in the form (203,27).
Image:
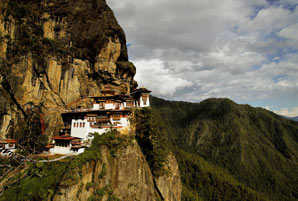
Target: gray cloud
(192,50)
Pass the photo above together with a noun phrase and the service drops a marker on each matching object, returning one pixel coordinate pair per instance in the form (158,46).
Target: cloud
(193,50)
(161,80)
(290,33)
(288,112)
(270,19)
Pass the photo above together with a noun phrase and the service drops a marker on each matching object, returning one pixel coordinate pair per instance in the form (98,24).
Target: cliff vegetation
(137,166)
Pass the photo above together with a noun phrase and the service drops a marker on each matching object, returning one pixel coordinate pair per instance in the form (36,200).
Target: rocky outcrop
(54,54)
(169,185)
(124,174)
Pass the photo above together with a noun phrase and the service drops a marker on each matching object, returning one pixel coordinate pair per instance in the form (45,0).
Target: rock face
(170,185)
(54,54)
(126,173)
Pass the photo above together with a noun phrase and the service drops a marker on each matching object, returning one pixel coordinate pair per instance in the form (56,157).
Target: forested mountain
(55,54)
(228,151)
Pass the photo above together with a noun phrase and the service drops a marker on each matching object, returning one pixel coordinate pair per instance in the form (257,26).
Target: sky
(192,50)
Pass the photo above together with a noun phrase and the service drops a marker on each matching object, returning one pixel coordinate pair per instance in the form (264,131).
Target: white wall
(100,131)
(109,106)
(80,132)
(123,121)
(79,151)
(96,106)
(83,132)
(10,148)
(60,150)
(142,104)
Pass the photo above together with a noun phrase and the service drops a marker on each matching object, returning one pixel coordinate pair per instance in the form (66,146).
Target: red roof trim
(63,138)
(117,127)
(50,146)
(10,141)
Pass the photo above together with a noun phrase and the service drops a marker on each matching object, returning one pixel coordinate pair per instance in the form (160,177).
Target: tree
(152,138)
(30,136)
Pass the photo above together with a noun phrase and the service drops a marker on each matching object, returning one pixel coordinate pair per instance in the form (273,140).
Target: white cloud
(293,112)
(162,81)
(290,33)
(270,19)
(192,50)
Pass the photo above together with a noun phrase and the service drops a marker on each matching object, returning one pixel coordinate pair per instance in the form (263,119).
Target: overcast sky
(191,50)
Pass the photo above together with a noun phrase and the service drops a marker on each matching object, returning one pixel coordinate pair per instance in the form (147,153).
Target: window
(84,125)
(80,124)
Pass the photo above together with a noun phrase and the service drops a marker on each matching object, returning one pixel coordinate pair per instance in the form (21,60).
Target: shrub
(30,136)
(89,185)
(92,198)
(103,171)
(152,138)
(79,191)
(100,192)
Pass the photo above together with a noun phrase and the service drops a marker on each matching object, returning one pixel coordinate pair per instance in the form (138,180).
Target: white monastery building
(7,147)
(109,111)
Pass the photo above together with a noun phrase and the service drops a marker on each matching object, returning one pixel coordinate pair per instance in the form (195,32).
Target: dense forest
(228,151)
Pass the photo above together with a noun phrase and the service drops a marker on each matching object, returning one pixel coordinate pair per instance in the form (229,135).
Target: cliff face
(170,185)
(124,175)
(54,54)
(113,168)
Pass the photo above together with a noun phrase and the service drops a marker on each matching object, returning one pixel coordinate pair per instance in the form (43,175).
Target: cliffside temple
(64,75)
(7,147)
(109,111)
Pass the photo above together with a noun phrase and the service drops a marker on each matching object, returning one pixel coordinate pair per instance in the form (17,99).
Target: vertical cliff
(113,168)
(54,54)
(169,184)
(124,175)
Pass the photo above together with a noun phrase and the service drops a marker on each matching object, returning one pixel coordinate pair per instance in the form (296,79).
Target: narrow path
(53,160)
(12,172)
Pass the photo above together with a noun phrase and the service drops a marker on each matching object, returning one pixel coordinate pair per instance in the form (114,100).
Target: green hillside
(251,153)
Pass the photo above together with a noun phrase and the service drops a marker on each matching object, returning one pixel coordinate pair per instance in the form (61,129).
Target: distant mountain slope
(256,147)
(294,118)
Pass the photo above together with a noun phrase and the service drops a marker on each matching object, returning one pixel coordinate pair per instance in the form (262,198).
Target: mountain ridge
(257,147)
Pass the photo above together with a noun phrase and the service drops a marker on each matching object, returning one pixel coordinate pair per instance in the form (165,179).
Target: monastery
(109,111)
(7,147)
